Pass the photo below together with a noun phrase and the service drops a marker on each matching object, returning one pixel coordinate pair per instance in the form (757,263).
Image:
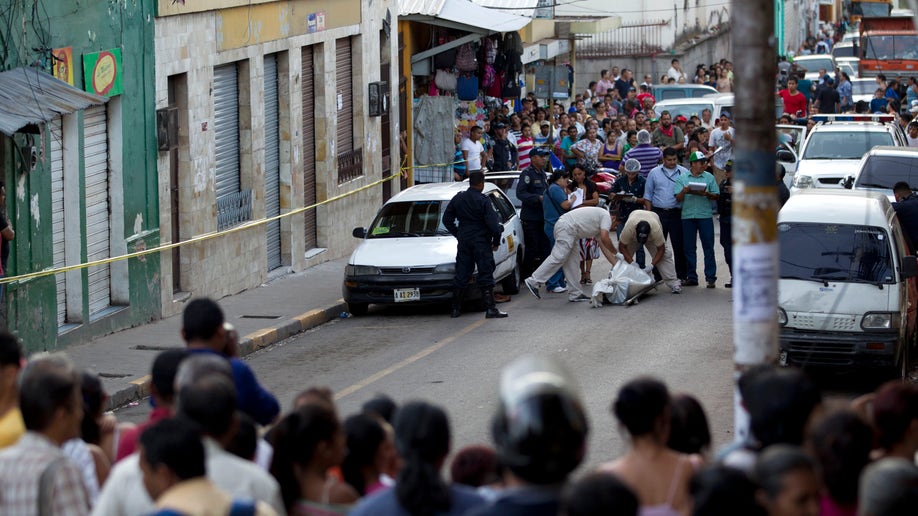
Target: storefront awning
(31,97)
(461,14)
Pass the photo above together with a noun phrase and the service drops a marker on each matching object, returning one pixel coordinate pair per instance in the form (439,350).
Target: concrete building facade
(80,176)
(271,103)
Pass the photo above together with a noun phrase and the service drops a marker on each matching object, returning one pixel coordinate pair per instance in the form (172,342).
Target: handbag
(511,89)
(494,89)
(467,87)
(445,80)
(465,59)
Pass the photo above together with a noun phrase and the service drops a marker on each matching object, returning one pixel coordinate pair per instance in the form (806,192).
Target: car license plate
(407,294)
(782,359)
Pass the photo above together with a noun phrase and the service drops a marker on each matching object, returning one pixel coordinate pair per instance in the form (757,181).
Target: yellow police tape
(211,235)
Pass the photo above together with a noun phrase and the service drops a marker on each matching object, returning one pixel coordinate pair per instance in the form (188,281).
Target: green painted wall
(87,26)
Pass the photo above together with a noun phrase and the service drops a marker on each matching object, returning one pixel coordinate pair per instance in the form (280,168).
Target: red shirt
(794,103)
(127,441)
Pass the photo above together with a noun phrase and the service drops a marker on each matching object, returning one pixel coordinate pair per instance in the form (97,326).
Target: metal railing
(350,165)
(636,39)
(234,209)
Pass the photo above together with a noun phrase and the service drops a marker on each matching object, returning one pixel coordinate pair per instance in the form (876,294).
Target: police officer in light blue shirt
(659,198)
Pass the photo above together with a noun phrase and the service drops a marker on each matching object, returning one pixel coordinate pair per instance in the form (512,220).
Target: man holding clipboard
(695,191)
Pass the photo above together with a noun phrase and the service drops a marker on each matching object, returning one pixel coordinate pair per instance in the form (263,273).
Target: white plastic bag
(625,280)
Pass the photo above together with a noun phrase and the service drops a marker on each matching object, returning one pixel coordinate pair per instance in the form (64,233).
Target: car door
(509,241)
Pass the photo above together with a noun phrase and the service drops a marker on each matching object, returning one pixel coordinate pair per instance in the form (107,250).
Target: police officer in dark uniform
(479,231)
(529,190)
(504,152)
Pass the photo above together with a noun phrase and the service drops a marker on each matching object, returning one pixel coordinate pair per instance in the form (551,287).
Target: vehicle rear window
(686,110)
(409,219)
(812,65)
(851,144)
(834,252)
(886,171)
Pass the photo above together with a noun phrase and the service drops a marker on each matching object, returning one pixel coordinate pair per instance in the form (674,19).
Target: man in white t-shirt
(583,222)
(911,134)
(722,138)
(675,71)
(472,149)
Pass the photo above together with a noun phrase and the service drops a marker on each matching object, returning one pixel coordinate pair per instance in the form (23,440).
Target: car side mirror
(909,266)
(785,156)
(359,233)
(848,182)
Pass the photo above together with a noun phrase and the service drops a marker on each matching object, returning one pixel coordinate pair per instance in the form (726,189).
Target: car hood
(828,167)
(811,305)
(405,252)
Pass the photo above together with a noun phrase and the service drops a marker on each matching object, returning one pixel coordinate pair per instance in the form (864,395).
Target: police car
(408,256)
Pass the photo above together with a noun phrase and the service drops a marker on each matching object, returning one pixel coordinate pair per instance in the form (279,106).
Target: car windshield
(886,171)
(863,87)
(409,219)
(508,186)
(851,144)
(686,110)
(885,47)
(835,252)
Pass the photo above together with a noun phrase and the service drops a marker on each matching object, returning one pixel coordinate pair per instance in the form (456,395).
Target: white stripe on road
(408,361)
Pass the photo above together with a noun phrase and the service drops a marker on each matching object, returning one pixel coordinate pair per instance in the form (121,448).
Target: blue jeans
(639,254)
(557,279)
(691,229)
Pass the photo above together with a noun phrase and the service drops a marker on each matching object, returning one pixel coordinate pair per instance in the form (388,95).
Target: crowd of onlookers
(216,442)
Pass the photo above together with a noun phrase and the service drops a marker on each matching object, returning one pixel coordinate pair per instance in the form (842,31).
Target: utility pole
(755,194)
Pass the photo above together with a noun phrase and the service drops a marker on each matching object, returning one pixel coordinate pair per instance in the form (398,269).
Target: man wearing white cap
(695,191)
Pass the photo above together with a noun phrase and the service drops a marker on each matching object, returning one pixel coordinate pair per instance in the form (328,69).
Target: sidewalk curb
(248,344)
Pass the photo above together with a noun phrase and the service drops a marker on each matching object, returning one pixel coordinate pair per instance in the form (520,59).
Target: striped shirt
(647,154)
(22,465)
(523,146)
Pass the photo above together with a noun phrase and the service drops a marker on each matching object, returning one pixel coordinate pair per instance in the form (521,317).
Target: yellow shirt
(11,427)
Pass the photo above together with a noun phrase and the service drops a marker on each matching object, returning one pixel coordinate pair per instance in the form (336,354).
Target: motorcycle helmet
(540,428)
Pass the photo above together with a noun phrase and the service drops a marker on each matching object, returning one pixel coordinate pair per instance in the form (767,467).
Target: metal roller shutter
(57,216)
(307,84)
(226,127)
(345,91)
(98,228)
(272,165)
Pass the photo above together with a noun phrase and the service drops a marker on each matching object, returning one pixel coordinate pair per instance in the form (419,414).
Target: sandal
(586,278)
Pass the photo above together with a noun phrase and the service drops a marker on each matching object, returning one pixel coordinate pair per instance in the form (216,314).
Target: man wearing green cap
(695,191)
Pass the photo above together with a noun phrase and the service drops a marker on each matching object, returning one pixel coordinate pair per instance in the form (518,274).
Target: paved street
(416,352)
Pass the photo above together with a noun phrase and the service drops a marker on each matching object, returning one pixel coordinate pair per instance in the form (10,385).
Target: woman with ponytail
(307,443)
(422,438)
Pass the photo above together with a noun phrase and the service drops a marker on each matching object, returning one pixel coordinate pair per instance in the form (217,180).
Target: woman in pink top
(659,476)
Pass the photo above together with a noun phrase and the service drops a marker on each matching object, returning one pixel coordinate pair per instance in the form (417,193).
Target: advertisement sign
(63,64)
(102,72)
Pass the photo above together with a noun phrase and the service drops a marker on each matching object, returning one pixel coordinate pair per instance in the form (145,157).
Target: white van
(846,294)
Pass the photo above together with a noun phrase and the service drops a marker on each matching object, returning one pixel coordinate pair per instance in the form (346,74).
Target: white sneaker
(677,289)
(579,297)
(533,287)
(559,289)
